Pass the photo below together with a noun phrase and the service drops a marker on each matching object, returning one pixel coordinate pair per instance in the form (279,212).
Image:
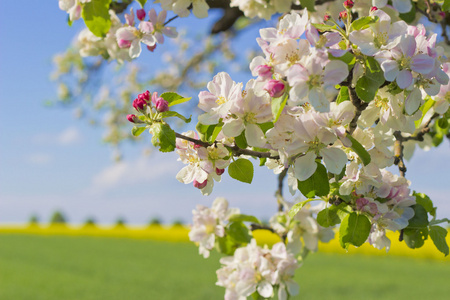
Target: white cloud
(39,158)
(130,173)
(68,136)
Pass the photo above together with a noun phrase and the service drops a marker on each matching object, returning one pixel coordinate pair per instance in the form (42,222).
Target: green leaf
(442,123)
(208,133)
(141,2)
(136,131)
(426,202)
(425,108)
(438,235)
(241,141)
(244,218)
(317,184)
(242,170)
(225,245)
(420,219)
(415,238)
(348,58)
(96,17)
(360,150)
(329,216)
(239,232)
(309,4)
(354,230)
(324,27)
(363,23)
(265,126)
(278,105)
(297,207)
(174,98)
(446,5)
(343,95)
(168,114)
(367,86)
(262,161)
(163,137)
(409,16)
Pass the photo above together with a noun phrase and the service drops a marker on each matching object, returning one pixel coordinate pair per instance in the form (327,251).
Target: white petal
(334,158)
(305,166)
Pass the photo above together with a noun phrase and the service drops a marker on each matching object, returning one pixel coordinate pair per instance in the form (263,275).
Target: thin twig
(170,20)
(254,227)
(279,192)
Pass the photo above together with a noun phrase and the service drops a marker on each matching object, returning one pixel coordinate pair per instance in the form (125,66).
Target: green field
(61,267)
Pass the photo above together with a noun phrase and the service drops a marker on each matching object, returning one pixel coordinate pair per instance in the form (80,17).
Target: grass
(81,267)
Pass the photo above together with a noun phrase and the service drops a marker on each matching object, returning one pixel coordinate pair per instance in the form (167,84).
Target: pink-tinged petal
(153,16)
(149,40)
(232,128)
(404,79)
(296,74)
(162,17)
(390,68)
(159,37)
(442,77)
(254,136)
(335,159)
(413,101)
(298,92)
(364,40)
(146,27)
(333,38)
(170,32)
(408,45)
(335,72)
(422,63)
(125,33)
(312,35)
(206,101)
(305,166)
(268,34)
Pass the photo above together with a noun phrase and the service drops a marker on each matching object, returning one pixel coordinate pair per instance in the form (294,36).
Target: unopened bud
(151,48)
(348,4)
(200,185)
(326,17)
(343,15)
(275,88)
(264,71)
(162,105)
(133,118)
(139,104)
(124,43)
(373,8)
(145,96)
(140,13)
(219,171)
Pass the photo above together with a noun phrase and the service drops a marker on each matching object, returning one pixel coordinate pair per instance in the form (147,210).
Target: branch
(422,132)
(398,152)
(235,149)
(254,227)
(279,192)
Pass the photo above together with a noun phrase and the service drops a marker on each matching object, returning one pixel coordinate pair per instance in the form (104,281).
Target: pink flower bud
(275,88)
(124,43)
(140,13)
(348,4)
(373,8)
(139,104)
(151,48)
(326,17)
(162,105)
(219,171)
(264,71)
(145,96)
(200,185)
(343,15)
(132,118)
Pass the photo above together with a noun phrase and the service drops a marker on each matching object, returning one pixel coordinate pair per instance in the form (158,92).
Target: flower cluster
(254,269)
(72,7)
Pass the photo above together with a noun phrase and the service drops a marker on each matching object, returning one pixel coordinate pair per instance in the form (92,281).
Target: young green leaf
(416,237)
(354,230)
(363,23)
(438,235)
(278,106)
(343,95)
(297,207)
(244,218)
(239,232)
(446,5)
(420,218)
(324,27)
(136,131)
(173,98)
(360,150)
(241,141)
(426,202)
(168,114)
(367,86)
(242,170)
(96,17)
(309,4)
(142,2)
(317,184)
(163,137)
(328,217)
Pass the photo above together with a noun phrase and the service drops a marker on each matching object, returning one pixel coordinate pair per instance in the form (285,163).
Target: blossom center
(405,62)
(315,80)
(221,100)
(249,118)
(380,39)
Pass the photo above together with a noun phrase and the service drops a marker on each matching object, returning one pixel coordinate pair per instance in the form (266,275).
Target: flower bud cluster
(148,105)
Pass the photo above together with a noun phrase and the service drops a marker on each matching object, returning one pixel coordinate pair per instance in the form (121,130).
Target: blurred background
(62,160)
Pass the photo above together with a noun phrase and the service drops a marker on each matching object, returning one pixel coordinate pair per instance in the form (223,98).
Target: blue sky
(50,160)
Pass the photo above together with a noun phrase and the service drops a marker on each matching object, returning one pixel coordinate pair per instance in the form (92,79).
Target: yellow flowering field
(180,234)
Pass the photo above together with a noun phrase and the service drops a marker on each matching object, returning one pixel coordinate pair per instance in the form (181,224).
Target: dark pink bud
(326,17)
(140,13)
(275,88)
(343,15)
(145,96)
(132,118)
(124,43)
(264,71)
(200,185)
(373,8)
(139,104)
(348,4)
(151,48)
(162,105)
(219,171)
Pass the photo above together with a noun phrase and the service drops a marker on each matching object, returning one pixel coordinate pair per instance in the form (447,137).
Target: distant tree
(178,223)
(90,222)
(155,222)
(58,218)
(120,222)
(34,220)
